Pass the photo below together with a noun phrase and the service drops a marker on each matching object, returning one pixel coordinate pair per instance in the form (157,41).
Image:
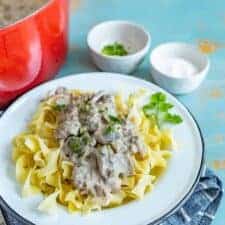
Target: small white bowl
(133,37)
(178,85)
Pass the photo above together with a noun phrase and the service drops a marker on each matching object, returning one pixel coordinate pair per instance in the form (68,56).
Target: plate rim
(4,205)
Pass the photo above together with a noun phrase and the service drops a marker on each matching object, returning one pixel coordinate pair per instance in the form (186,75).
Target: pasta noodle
(40,168)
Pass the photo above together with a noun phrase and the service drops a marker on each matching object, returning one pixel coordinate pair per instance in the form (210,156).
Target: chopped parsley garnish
(115,49)
(77,144)
(158,109)
(59,107)
(85,139)
(109,129)
(112,122)
(101,110)
(115,119)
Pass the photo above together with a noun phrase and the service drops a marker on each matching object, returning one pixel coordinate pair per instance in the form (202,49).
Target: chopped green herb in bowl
(115,49)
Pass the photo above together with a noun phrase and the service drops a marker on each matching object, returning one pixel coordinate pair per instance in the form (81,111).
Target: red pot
(32,49)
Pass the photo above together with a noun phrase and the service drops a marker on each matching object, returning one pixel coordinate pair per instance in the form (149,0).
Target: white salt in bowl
(186,52)
(133,37)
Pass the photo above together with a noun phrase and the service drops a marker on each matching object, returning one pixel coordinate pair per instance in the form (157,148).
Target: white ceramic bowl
(134,38)
(178,85)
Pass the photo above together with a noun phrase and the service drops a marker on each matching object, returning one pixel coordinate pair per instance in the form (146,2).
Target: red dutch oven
(32,49)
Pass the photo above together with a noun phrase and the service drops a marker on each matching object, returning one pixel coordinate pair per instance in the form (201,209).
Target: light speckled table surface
(167,20)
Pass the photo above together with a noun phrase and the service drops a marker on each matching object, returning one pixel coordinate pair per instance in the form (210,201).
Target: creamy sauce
(99,143)
(177,67)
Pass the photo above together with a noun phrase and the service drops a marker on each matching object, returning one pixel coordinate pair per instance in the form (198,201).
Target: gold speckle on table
(216,93)
(208,47)
(74,4)
(219,164)
(209,94)
(219,138)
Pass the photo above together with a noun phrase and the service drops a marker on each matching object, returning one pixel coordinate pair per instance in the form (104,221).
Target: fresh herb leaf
(158,109)
(75,144)
(112,122)
(101,110)
(164,106)
(147,109)
(85,139)
(173,118)
(59,107)
(109,129)
(115,49)
(115,119)
(158,97)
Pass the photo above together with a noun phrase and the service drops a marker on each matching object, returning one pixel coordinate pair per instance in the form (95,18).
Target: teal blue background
(166,20)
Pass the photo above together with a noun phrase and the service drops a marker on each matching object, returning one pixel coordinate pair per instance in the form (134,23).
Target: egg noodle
(40,169)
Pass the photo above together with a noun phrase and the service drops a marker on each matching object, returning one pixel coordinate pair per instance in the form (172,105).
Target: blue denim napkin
(199,209)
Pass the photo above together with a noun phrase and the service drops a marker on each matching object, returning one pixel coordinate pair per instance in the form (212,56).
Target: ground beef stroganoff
(93,150)
(97,141)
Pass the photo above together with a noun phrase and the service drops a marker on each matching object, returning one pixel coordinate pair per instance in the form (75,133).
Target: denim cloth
(199,209)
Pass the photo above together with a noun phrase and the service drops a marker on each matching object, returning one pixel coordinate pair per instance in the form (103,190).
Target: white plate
(171,190)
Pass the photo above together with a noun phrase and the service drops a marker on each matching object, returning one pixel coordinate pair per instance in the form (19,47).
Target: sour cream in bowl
(178,67)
